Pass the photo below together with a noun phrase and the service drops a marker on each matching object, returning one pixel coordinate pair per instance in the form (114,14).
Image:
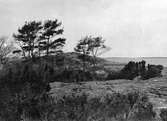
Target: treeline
(137,69)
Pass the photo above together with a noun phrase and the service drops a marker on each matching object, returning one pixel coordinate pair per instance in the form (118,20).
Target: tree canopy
(36,38)
(48,40)
(90,46)
(27,37)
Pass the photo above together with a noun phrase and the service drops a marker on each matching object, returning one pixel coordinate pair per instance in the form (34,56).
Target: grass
(79,105)
(155,88)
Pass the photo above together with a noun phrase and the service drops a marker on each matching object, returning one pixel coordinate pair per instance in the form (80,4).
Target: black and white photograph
(83,60)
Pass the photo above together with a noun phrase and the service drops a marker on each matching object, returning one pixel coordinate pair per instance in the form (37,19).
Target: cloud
(130,27)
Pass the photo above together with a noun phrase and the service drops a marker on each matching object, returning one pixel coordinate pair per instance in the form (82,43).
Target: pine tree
(27,37)
(49,42)
(96,47)
(83,48)
(90,46)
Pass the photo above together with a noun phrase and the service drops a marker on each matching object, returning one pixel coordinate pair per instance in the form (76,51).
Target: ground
(155,88)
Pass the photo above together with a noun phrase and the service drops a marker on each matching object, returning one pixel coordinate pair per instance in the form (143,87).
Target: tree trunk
(47,48)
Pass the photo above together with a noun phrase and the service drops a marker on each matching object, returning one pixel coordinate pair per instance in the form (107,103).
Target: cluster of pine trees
(40,38)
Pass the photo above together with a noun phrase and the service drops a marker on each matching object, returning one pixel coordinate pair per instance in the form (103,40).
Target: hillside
(155,88)
(62,73)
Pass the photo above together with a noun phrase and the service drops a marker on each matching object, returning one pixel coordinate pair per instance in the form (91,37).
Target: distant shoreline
(149,60)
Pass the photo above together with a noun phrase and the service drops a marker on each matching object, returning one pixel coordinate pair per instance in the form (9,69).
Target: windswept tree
(5,49)
(83,48)
(27,37)
(96,47)
(90,46)
(49,41)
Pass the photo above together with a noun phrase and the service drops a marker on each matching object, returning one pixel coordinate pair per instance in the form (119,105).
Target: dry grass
(155,88)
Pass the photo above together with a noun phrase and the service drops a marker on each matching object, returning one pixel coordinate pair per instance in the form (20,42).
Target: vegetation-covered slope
(155,89)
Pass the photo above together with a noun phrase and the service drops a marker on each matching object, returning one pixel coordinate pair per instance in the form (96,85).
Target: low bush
(152,71)
(113,76)
(68,75)
(143,110)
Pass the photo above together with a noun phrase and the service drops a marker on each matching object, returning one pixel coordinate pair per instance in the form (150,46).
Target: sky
(131,28)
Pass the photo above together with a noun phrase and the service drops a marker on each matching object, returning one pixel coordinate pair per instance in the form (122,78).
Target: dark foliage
(113,75)
(152,71)
(135,69)
(24,93)
(68,75)
(48,41)
(27,38)
(39,39)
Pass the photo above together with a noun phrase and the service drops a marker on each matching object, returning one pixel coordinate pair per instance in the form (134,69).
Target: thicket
(152,71)
(68,76)
(135,69)
(24,93)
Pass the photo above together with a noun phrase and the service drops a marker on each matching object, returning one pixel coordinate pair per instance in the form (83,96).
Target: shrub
(130,71)
(134,69)
(143,109)
(152,71)
(113,75)
(68,75)
(25,92)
